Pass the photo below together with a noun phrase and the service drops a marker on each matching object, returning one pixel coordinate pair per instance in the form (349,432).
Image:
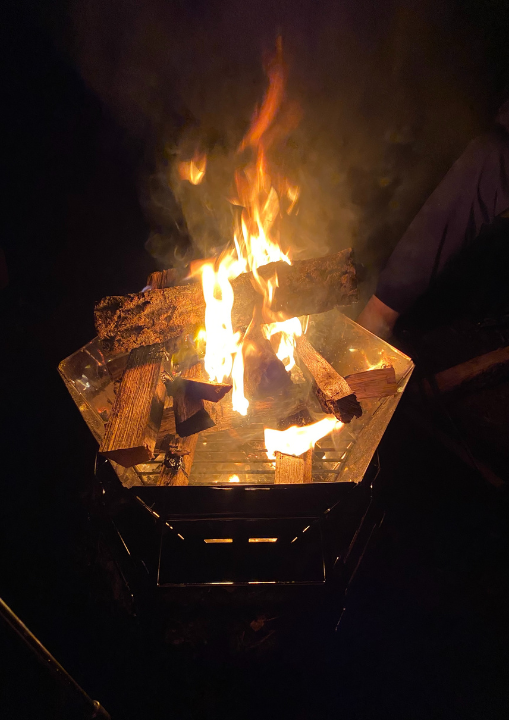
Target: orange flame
(297,440)
(193,170)
(256,243)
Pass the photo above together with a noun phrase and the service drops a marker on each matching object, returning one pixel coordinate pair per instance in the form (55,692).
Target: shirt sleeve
(472,194)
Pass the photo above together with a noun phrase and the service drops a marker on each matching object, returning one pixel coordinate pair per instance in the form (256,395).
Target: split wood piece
(178,461)
(306,287)
(179,457)
(377,383)
(333,392)
(188,395)
(132,429)
(489,367)
(162,279)
(294,470)
(267,412)
(264,373)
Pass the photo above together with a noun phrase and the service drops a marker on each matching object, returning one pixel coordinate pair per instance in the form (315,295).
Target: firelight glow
(296,440)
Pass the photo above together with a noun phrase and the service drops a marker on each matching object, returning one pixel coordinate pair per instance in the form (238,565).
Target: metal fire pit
(251,531)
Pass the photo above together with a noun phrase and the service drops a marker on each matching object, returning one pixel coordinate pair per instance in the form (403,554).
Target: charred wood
(333,392)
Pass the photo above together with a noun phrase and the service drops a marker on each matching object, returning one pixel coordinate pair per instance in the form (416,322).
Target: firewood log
(188,394)
(377,383)
(294,470)
(178,461)
(333,392)
(132,429)
(306,287)
(179,457)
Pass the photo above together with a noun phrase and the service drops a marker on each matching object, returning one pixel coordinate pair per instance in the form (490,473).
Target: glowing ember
(193,170)
(296,440)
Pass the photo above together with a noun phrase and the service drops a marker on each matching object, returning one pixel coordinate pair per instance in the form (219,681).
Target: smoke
(390,95)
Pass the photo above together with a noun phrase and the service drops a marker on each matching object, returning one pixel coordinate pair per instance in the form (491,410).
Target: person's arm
(473,193)
(378,318)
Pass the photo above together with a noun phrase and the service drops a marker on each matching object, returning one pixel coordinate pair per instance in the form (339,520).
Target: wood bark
(333,392)
(377,383)
(132,429)
(306,287)
(294,470)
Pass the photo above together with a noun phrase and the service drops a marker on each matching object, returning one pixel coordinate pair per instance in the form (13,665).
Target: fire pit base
(214,536)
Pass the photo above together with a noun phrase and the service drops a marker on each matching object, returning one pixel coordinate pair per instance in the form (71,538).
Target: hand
(378,318)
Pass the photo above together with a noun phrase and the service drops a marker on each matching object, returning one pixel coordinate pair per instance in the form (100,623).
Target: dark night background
(91,94)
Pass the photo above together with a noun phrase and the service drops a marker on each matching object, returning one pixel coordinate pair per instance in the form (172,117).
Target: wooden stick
(131,432)
(377,383)
(306,287)
(176,467)
(293,470)
(179,457)
(333,392)
(481,369)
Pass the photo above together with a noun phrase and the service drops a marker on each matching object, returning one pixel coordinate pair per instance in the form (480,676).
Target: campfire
(244,371)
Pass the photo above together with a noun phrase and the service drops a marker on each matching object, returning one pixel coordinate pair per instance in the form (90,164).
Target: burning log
(131,432)
(333,392)
(377,383)
(294,470)
(306,287)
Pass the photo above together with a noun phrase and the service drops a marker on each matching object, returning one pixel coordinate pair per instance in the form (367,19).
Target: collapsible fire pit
(232,523)
(242,409)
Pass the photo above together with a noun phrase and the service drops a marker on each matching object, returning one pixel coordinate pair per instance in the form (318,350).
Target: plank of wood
(492,365)
(170,476)
(162,315)
(333,392)
(377,383)
(131,432)
(184,445)
(291,470)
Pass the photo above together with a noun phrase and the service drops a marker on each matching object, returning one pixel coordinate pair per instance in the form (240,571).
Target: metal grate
(225,457)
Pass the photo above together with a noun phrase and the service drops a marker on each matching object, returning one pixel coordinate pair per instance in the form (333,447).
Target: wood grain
(132,429)
(292,470)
